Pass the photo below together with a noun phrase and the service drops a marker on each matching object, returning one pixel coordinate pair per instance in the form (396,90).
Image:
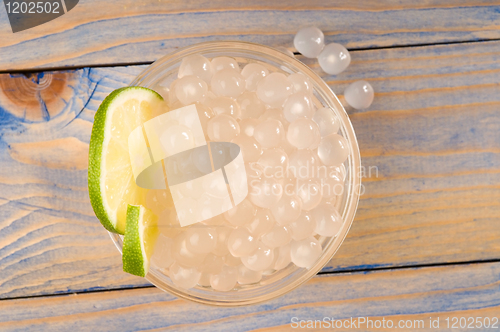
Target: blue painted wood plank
(88,35)
(434,142)
(400,295)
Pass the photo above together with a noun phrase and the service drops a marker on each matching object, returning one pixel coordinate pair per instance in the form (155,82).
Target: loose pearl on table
(196,65)
(334,59)
(184,277)
(251,106)
(302,133)
(306,252)
(309,41)
(250,148)
(228,82)
(253,73)
(359,94)
(269,133)
(176,139)
(183,255)
(222,236)
(241,214)
(333,150)
(241,243)
(283,258)
(262,223)
(327,121)
(211,264)
(274,89)
(303,164)
(223,128)
(224,105)
(190,89)
(278,236)
(260,260)
(225,280)
(328,220)
(201,240)
(309,192)
(224,62)
(247,276)
(274,163)
(298,105)
(287,209)
(301,83)
(162,254)
(264,192)
(303,227)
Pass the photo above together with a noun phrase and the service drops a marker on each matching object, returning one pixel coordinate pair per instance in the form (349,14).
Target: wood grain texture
(460,291)
(432,132)
(87,35)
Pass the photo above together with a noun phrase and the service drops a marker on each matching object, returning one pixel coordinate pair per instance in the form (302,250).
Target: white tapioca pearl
(260,260)
(274,89)
(303,133)
(333,150)
(327,121)
(184,277)
(228,82)
(225,280)
(253,73)
(359,95)
(306,252)
(201,240)
(334,59)
(278,236)
(303,227)
(298,105)
(328,220)
(251,106)
(196,65)
(223,128)
(283,257)
(301,83)
(247,276)
(269,133)
(190,89)
(262,223)
(241,243)
(241,214)
(287,209)
(224,62)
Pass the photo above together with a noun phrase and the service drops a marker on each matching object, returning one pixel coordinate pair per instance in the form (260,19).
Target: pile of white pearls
(294,159)
(333,58)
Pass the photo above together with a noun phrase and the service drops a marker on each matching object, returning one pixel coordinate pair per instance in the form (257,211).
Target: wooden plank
(408,294)
(432,132)
(88,34)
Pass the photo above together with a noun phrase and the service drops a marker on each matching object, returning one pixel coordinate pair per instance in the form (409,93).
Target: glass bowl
(164,71)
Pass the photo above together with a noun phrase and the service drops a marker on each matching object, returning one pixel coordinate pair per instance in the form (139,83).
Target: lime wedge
(111,183)
(141,233)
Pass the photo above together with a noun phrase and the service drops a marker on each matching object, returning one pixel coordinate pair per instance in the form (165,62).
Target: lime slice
(111,183)
(140,237)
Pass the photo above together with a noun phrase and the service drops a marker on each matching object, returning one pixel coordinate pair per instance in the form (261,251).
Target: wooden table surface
(425,240)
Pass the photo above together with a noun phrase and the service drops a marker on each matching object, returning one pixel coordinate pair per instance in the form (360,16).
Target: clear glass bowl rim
(354,176)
